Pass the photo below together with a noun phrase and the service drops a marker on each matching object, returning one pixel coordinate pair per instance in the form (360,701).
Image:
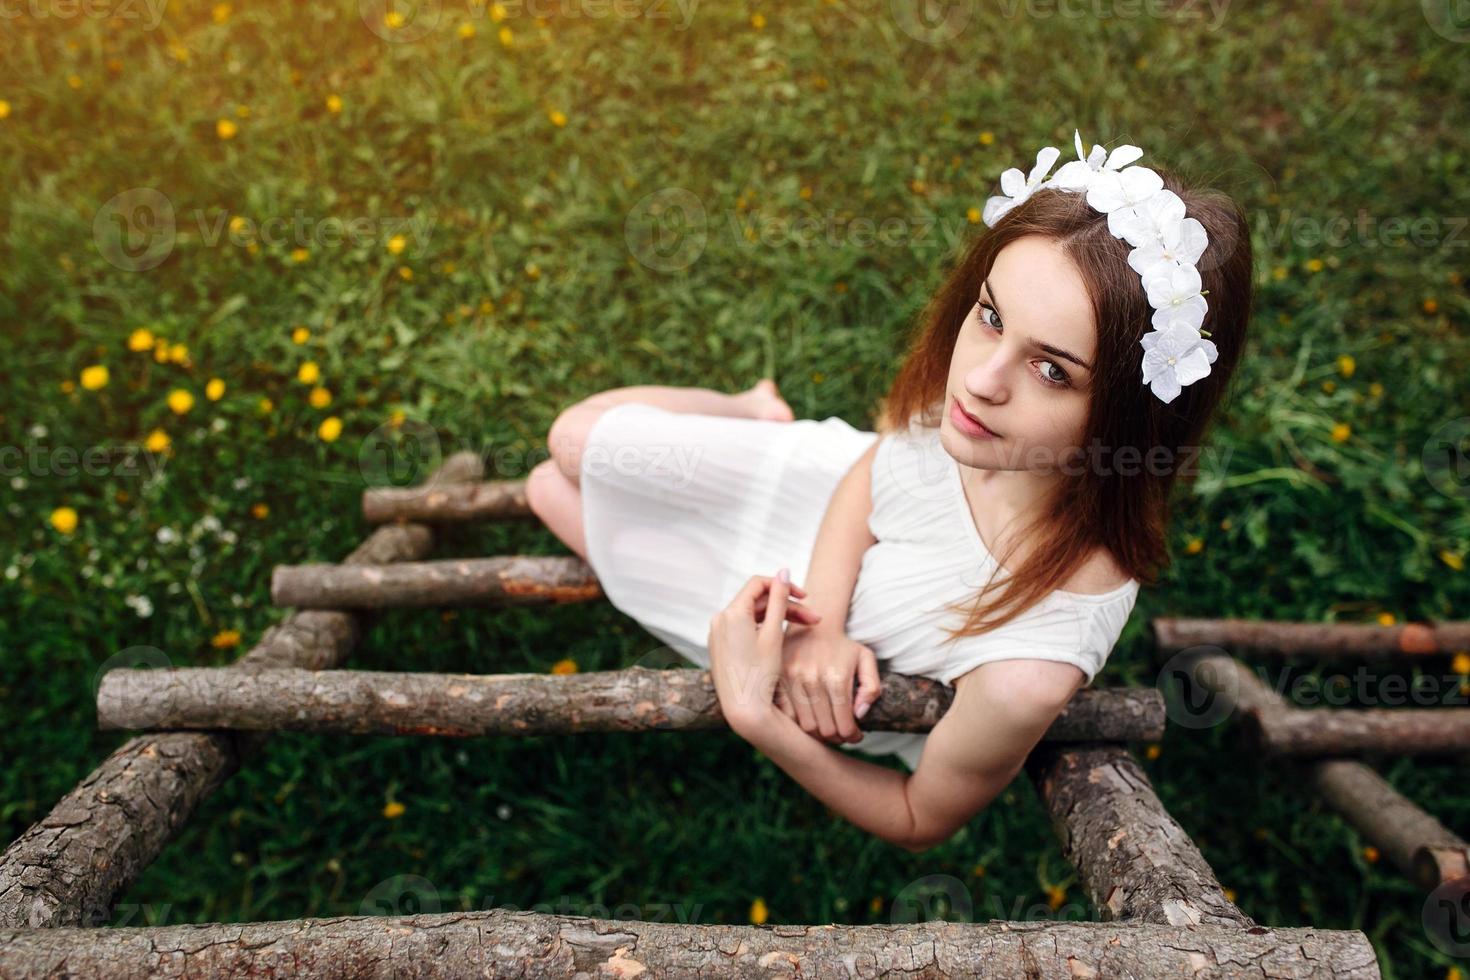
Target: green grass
(525,295)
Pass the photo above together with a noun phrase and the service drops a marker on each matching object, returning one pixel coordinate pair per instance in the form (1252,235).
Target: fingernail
(862,709)
(784,575)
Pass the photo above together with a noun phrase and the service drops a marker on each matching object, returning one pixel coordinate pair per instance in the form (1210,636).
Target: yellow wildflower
(1431,306)
(94,377)
(466,30)
(180,401)
(396,419)
(260,511)
(67,386)
(1461,662)
(1329,386)
(300,335)
(221,13)
(1376,389)
(178,353)
(1346,365)
(987,138)
(1056,895)
(64,519)
(157,441)
(4,109)
(505,36)
(1153,750)
(265,405)
(397,244)
(1453,560)
(214,390)
(393,809)
(557,117)
(237,224)
(1314,265)
(1386,619)
(1195,546)
(308,373)
(140,339)
(1230,895)
(320,397)
(334,103)
(299,255)
(1341,431)
(1278,272)
(497,12)
(226,129)
(330,428)
(75,81)
(225,639)
(973,216)
(758,21)
(533,270)
(393,20)
(1370,854)
(758,912)
(405,273)
(564,666)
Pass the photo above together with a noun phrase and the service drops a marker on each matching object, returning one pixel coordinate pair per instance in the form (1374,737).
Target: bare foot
(763,401)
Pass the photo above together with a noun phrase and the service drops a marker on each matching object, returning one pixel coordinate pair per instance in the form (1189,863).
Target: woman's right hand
(818,665)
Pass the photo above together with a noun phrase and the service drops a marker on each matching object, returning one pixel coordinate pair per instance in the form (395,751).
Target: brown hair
(1093,506)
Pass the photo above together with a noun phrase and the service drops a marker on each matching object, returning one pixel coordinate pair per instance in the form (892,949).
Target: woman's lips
(969,426)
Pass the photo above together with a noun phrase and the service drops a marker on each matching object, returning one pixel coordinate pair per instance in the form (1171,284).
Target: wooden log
(1351,731)
(362,702)
(1330,640)
(509,580)
(492,500)
(1136,862)
(1414,841)
(507,942)
(68,868)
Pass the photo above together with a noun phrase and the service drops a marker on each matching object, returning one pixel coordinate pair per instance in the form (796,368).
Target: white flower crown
(1166,246)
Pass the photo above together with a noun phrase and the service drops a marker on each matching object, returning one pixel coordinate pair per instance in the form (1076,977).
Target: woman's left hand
(745,658)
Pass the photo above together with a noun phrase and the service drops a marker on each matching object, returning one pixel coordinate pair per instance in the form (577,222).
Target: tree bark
(1136,862)
(1350,731)
(1417,844)
(1345,640)
(492,500)
(362,702)
(68,868)
(504,942)
(510,580)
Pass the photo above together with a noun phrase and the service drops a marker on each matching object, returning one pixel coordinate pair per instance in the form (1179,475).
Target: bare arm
(842,538)
(999,712)
(819,661)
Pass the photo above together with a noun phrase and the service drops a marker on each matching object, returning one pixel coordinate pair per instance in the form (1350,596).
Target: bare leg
(552,487)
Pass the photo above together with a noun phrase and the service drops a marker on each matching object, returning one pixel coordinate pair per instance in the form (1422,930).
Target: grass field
(462,223)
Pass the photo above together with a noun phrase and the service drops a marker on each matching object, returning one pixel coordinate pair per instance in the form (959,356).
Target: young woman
(992,533)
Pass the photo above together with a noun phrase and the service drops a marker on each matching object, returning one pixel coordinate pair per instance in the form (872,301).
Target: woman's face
(1021,363)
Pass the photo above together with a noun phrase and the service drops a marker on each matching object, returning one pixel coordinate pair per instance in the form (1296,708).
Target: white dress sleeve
(1063,627)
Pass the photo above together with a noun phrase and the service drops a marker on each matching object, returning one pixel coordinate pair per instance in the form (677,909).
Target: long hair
(1093,506)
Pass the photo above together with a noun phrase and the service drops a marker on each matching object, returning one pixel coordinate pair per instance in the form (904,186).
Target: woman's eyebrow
(1054,351)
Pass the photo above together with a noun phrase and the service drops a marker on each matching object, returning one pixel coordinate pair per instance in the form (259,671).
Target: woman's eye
(1060,380)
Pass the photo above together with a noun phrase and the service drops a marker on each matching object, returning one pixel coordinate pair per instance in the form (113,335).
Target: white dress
(680,509)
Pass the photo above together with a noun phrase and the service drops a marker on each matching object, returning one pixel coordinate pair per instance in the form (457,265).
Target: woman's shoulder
(1099,574)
